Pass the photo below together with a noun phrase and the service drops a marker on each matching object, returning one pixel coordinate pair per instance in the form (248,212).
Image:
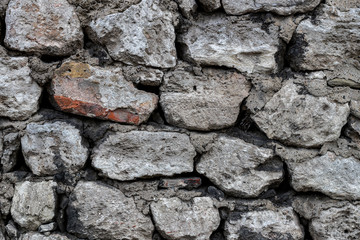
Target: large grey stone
(332,175)
(39,236)
(138,154)
(51,148)
(43,26)
(206,102)
(19,94)
(329,219)
(297,118)
(97,211)
(240,168)
(281,7)
(33,203)
(234,42)
(103,93)
(328,41)
(142,34)
(179,220)
(260,219)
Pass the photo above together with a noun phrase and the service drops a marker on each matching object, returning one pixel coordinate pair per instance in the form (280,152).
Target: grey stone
(39,236)
(142,34)
(210,5)
(6,194)
(329,219)
(139,154)
(3,6)
(97,211)
(207,102)
(11,230)
(332,175)
(240,168)
(176,219)
(51,148)
(355,108)
(234,42)
(187,183)
(260,219)
(327,42)
(201,141)
(344,5)
(33,203)
(281,7)
(9,150)
(103,93)
(300,119)
(187,7)
(43,27)
(19,94)
(47,227)
(143,75)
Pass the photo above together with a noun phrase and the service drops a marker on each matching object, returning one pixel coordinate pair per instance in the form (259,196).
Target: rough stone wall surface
(179,120)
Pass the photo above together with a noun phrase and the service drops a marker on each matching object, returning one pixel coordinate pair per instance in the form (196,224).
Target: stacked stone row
(181,120)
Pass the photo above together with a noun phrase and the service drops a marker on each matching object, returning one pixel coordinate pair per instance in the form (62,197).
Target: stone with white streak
(51,148)
(260,219)
(234,42)
(97,211)
(19,94)
(332,175)
(43,26)
(281,7)
(207,102)
(33,203)
(329,219)
(179,220)
(240,168)
(139,154)
(297,118)
(142,34)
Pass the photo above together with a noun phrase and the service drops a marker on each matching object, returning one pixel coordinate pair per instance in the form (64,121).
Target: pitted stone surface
(51,148)
(281,7)
(9,149)
(332,175)
(328,41)
(260,219)
(179,220)
(19,94)
(240,168)
(39,236)
(207,102)
(142,34)
(234,42)
(300,119)
(329,219)
(100,92)
(97,211)
(33,203)
(139,154)
(43,26)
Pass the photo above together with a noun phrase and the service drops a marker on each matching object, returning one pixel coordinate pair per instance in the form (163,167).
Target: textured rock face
(281,7)
(240,168)
(42,26)
(99,212)
(6,194)
(137,154)
(330,219)
(260,219)
(19,94)
(332,175)
(175,219)
(33,203)
(235,42)
(142,34)
(187,7)
(327,42)
(9,150)
(210,5)
(210,101)
(51,148)
(102,93)
(39,236)
(297,118)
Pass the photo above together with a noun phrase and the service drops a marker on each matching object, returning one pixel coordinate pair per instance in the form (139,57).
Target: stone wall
(180,119)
